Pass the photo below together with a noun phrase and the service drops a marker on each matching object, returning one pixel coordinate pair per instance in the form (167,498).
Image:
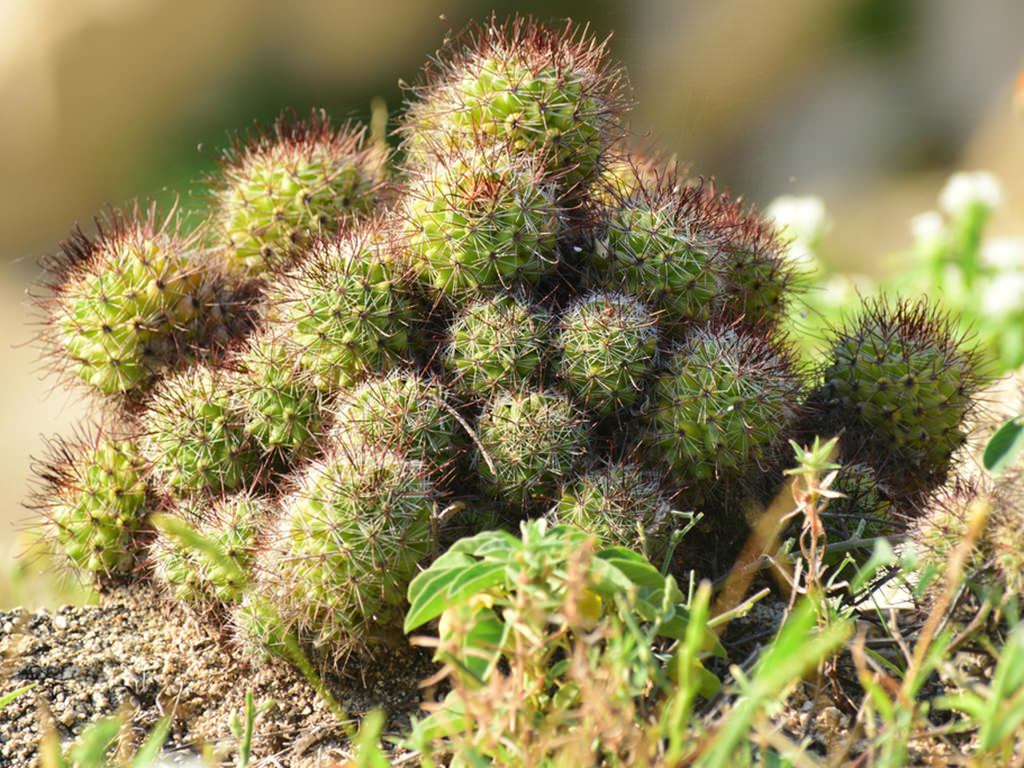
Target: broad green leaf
(475,579)
(1004,445)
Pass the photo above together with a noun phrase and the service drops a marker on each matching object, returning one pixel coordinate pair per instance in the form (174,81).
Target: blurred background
(869,104)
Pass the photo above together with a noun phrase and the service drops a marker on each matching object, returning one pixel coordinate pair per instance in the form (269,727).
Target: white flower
(1003,253)
(965,190)
(1003,295)
(928,228)
(803,221)
(842,288)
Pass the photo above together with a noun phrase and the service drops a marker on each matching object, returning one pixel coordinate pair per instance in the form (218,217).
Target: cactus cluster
(518,318)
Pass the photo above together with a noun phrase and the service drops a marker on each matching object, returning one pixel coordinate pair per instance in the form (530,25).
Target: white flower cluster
(804,221)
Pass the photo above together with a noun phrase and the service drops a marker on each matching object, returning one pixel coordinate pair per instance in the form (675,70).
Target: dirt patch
(137,654)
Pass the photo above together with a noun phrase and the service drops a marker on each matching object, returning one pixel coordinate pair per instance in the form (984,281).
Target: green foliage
(1004,446)
(538,603)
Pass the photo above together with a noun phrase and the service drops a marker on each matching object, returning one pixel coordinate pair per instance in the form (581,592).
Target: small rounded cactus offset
(121,302)
(497,342)
(203,551)
(608,343)
(276,190)
(528,442)
(899,383)
(404,412)
(482,219)
(620,503)
(347,307)
(348,541)
(93,495)
(657,244)
(551,93)
(725,397)
(193,436)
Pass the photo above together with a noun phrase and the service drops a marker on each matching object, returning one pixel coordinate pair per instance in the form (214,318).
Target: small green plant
(531,627)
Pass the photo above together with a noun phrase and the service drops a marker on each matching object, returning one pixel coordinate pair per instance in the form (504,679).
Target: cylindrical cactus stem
(528,442)
(121,305)
(498,341)
(621,504)
(725,398)
(94,499)
(480,219)
(404,412)
(202,553)
(608,343)
(192,434)
(349,540)
(277,190)
(347,308)
(899,383)
(545,91)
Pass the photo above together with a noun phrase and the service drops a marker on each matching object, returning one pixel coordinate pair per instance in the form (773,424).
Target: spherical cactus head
(498,341)
(349,540)
(283,408)
(192,434)
(93,496)
(277,189)
(347,307)
(899,383)
(726,398)
(608,343)
(528,442)
(541,90)
(756,278)
(621,504)
(202,553)
(480,219)
(658,243)
(121,304)
(943,522)
(407,413)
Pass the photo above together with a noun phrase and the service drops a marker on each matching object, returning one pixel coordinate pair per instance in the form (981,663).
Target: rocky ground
(136,654)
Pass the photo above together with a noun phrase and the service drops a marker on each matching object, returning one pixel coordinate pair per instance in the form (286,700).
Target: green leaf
(150,751)
(366,742)
(91,748)
(9,697)
(1004,445)
(475,579)
(427,601)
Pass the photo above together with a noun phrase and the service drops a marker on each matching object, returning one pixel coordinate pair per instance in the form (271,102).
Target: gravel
(146,658)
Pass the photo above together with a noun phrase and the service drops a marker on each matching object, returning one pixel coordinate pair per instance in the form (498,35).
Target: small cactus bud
(539,90)
(348,542)
(497,342)
(203,552)
(121,303)
(725,398)
(94,498)
(899,384)
(608,342)
(481,220)
(346,307)
(621,504)
(280,404)
(192,434)
(277,190)
(659,246)
(408,414)
(529,442)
